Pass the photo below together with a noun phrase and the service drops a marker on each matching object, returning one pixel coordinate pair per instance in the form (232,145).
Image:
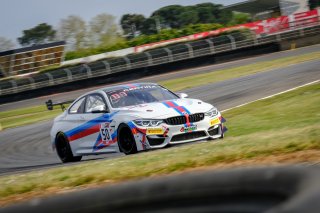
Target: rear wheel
(64,150)
(127,143)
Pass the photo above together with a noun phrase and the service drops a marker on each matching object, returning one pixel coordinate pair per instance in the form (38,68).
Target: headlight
(148,123)
(212,112)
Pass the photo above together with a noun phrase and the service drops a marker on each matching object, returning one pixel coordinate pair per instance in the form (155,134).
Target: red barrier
(264,27)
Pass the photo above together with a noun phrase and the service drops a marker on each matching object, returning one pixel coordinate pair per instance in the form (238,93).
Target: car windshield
(139,95)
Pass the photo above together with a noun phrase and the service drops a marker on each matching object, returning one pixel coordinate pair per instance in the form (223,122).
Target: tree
(170,15)
(188,17)
(40,34)
(176,16)
(198,28)
(5,44)
(225,16)
(73,30)
(206,15)
(314,3)
(240,18)
(153,25)
(132,24)
(103,30)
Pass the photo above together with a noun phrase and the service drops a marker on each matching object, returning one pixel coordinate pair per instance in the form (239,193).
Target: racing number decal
(104,131)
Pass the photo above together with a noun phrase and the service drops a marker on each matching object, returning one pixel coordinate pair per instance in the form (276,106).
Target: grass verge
(24,116)
(283,125)
(236,72)
(19,117)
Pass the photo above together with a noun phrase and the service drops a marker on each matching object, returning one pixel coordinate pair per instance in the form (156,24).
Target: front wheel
(64,150)
(126,141)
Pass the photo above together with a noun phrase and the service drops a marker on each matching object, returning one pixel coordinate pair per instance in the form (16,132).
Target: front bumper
(208,128)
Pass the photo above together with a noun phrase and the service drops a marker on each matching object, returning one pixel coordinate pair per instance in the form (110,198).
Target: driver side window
(95,102)
(77,107)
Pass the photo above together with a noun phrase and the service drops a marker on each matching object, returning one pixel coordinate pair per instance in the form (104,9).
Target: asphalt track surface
(162,77)
(28,148)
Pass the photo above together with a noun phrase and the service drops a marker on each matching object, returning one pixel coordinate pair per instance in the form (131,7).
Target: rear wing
(51,104)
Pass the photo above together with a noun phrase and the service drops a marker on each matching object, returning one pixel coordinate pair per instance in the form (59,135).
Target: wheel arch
(120,127)
(127,127)
(61,134)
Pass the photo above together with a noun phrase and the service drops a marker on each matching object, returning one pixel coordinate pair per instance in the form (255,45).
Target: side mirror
(99,109)
(182,95)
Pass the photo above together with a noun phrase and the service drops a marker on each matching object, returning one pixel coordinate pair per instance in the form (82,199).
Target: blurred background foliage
(103,34)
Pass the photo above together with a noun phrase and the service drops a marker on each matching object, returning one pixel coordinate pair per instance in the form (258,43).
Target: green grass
(284,124)
(24,116)
(225,74)
(19,117)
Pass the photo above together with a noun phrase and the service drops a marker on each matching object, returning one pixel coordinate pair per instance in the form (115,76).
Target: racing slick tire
(126,141)
(64,150)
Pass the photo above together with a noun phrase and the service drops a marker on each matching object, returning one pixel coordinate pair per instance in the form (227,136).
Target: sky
(18,15)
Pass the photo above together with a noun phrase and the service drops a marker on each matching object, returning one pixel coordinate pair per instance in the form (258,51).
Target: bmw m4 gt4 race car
(131,118)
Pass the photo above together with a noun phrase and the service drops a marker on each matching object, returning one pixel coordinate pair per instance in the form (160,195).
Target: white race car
(131,118)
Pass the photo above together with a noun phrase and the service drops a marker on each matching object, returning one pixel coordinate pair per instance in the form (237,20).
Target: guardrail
(209,46)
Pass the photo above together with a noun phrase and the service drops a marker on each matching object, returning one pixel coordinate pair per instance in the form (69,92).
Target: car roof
(122,86)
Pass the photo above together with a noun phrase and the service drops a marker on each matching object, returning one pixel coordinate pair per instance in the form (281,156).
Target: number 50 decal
(104,131)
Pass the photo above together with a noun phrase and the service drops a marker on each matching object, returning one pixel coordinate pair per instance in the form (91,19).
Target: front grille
(188,136)
(178,120)
(196,117)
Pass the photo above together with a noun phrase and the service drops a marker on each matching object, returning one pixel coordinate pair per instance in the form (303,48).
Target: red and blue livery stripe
(179,109)
(131,86)
(100,144)
(135,130)
(88,128)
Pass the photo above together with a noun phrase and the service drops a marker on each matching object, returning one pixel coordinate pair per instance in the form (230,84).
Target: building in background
(264,9)
(31,59)
(290,7)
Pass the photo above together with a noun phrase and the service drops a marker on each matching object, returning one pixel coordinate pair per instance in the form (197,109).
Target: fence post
(190,49)
(169,54)
(107,65)
(301,32)
(128,62)
(233,42)
(69,74)
(211,46)
(150,60)
(14,85)
(33,86)
(89,73)
(254,36)
(51,82)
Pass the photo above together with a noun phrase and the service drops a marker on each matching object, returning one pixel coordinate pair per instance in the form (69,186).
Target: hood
(166,109)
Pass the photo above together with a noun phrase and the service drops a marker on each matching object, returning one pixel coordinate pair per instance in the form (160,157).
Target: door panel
(98,136)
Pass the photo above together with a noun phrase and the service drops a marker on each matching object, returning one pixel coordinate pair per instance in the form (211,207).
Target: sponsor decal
(189,128)
(214,121)
(98,125)
(166,131)
(155,131)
